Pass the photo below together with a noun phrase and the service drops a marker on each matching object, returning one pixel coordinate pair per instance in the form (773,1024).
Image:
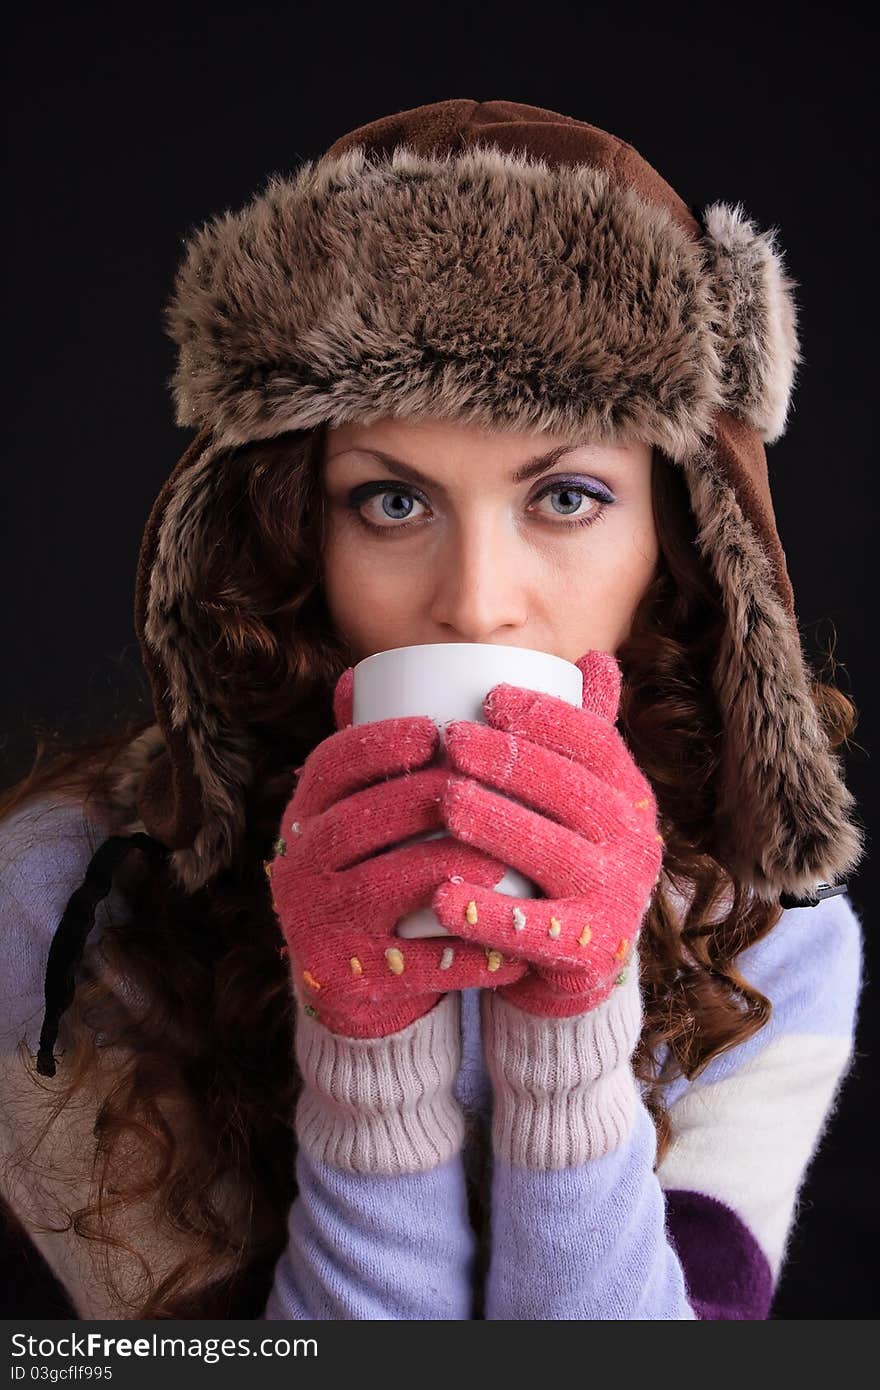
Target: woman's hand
(361,790)
(586,835)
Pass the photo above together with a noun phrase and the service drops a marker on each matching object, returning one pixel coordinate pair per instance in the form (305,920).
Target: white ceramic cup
(450,680)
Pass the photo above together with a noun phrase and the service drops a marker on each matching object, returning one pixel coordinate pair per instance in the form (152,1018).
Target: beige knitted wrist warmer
(564,1089)
(381,1105)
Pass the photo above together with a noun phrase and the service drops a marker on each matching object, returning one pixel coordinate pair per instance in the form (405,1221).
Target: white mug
(447,681)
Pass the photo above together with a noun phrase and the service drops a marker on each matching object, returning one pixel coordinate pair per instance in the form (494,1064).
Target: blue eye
(397,499)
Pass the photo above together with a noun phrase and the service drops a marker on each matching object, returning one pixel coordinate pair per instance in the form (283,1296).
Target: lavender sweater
(582,1227)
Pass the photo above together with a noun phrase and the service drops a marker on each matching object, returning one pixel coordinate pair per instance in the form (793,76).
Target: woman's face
(439,541)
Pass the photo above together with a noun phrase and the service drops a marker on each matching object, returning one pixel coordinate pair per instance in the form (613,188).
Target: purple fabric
(585,1244)
(601,1241)
(807,949)
(361,1246)
(368,1247)
(727,1274)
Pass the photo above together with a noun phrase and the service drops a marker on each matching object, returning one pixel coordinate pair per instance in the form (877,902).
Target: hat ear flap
(192,798)
(757,318)
(783,812)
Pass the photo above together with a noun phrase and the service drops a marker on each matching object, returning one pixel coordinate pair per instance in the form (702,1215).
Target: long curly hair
(203,1088)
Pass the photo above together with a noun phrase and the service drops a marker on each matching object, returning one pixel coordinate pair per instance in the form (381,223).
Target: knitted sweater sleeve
(379,1228)
(576,1199)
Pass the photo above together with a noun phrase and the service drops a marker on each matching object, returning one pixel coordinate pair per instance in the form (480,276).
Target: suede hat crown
(502,264)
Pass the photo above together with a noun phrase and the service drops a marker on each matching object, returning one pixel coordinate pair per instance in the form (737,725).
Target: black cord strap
(822,890)
(69,940)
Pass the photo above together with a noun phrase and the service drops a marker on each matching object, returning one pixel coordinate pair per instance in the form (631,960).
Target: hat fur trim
(783,819)
(222,756)
(482,285)
(761,352)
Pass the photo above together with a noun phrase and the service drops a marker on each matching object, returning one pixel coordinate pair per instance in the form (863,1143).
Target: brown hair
(212,1039)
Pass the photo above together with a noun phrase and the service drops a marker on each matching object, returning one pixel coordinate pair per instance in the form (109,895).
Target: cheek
(338,573)
(637,567)
(596,595)
(618,557)
(365,599)
(354,559)
(641,555)
(636,563)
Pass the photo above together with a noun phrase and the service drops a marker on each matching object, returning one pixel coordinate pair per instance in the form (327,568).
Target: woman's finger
(365,902)
(558,935)
(369,821)
(357,756)
(558,860)
(573,733)
(546,781)
(365,970)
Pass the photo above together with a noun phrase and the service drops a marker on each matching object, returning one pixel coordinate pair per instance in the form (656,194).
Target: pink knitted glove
(590,844)
(338,909)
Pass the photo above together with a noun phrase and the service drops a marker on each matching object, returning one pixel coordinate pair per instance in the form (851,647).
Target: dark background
(130,127)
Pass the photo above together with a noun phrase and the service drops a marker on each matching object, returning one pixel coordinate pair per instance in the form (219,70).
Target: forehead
(432,432)
(442,445)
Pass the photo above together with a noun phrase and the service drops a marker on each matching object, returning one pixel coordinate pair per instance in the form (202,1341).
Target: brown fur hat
(506,265)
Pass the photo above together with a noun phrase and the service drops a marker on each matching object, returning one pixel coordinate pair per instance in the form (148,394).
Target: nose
(479,580)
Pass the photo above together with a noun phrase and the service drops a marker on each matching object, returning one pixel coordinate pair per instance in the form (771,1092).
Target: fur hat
(509,266)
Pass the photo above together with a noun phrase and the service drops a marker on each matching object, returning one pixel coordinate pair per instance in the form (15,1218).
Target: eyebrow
(532,468)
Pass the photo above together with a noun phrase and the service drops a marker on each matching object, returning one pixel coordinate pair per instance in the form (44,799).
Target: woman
(264,1107)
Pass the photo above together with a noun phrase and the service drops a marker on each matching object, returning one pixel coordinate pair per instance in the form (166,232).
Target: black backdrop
(130,126)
